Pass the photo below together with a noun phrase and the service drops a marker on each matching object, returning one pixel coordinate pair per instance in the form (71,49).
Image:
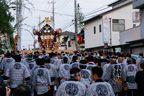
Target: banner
(106,30)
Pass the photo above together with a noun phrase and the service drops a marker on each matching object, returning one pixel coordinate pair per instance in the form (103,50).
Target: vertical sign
(136,17)
(106,30)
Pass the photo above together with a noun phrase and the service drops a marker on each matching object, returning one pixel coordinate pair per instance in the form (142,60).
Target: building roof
(47,29)
(72,37)
(67,33)
(100,15)
(135,41)
(115,2)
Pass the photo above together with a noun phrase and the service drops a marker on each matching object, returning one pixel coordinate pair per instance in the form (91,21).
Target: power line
(96,11)
(64,5)
(61,4)
(52,12)
(67,24)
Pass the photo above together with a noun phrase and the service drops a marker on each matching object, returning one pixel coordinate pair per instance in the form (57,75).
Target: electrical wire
(52,12)
(96,11)
(64,5)
(67,24)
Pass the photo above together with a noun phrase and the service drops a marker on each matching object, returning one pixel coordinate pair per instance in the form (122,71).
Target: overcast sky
(61,6)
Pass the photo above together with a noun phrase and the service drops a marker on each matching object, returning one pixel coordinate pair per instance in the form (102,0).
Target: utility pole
(18,18)
(110,33)
(76,27)
(39,27)
(53,15)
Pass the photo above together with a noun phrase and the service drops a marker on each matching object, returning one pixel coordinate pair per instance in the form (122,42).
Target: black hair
(40,61)
(128,55)
(74,58)
(75,52)
(50,55)
(17,58)
(59,54)
(129,61)
(2,90)
(44,52)
(18,51)
(83,62)
(98,71)
(90,58)
(141,54)
(47,59)
(133,61)
(22,90)
(8,54)
(74,71)
(65,59)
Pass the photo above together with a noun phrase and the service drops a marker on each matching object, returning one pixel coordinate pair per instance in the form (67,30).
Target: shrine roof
(47,29)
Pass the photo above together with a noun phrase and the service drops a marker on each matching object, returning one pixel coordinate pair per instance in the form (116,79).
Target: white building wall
(91,39)
(96,40)
(130,35)
(121,13)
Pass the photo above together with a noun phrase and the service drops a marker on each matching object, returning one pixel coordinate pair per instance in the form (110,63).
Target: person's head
(30,57)
(51,55)
(47,59)
(65,59)
(40,61)
(128,55)
(75,58)
(22,90)
(75,52)
(140,54)
(59,56)
(90,58)
(8,54)
(129,61)
(75,74)
(124,56)
(104,56)
(112,61)
(120,59)
(2,90)
(96,73)
(17,58)
(133,61)
(44,52)
(83,64)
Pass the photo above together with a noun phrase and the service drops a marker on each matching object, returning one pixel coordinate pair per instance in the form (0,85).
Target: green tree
(80,18)
(6,29)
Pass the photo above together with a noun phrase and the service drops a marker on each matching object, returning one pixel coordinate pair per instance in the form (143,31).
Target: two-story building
(120,19)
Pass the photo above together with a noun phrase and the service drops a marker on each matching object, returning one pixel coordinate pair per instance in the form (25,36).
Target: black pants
(118,94)
(12,91)
(131,92)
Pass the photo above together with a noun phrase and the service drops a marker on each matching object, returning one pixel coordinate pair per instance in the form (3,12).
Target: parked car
(134,56)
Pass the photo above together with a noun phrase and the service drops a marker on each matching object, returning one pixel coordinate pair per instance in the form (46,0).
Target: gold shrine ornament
(47,20)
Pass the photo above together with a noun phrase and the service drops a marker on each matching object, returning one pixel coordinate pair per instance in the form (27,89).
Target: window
(69,44)
(134,25)
(100,28)
(118,25)
(94,30)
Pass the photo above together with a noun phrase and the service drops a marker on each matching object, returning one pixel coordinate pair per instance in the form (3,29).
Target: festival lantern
(79,39)
(59,31)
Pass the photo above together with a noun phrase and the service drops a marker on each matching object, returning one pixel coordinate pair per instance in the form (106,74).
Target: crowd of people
(71,74)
